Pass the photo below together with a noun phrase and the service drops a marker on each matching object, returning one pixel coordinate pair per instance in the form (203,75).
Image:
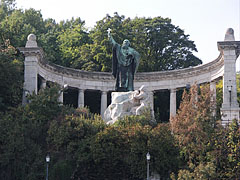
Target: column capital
(173,90)
(229,45)
(151,92)
(81,90)
(104,92)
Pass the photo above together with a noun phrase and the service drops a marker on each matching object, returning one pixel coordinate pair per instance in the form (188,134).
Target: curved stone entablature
(104,81)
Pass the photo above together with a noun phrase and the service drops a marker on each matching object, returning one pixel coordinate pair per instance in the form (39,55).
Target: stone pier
(230,50)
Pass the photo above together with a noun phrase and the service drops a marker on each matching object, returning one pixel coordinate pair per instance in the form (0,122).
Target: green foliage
(142,120)
(195,128)
(23,136)
(219,97)
(201,172)
(164,150)
(70,137)
(7,6)
(227,152)
(233,145)
(11,77)
(70,41)
(96,151)
(162,45)
(19,24)
(194,123)
(210,150)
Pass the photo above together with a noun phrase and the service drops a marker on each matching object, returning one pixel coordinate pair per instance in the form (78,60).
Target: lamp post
(230,99)
(229,90)
(47,161)
(148,160)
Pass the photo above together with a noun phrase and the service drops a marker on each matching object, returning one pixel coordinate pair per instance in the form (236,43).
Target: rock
(127,103)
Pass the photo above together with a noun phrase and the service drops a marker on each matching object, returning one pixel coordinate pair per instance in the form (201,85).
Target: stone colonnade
(223,67)
(173,97)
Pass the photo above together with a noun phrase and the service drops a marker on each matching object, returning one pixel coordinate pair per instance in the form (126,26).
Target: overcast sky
(206,21)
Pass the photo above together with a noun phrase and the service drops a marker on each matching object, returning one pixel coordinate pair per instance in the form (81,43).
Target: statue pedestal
(128,103)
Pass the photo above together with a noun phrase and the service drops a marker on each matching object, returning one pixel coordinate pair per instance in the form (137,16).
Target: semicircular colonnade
(224,66)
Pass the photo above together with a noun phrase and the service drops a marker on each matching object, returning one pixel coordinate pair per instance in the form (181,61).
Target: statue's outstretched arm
(110,37)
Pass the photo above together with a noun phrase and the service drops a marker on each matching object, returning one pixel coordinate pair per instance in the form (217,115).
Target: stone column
(213,96)
(32,53)
(230,50)
(31,67)
(80,98)
(151,94)
(173,106)
(44,84)
(60,99)
(103,102)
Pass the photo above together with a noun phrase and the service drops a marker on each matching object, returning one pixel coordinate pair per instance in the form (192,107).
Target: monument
(125,62)
(125,101)
(38,71)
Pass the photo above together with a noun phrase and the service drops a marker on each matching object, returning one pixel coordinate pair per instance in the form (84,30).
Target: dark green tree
(23,136)
(162,45)
(70,40)
(69,139)
(19,24)
(92,150)
(11,77)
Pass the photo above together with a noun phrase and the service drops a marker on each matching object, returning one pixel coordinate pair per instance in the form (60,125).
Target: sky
(206,21)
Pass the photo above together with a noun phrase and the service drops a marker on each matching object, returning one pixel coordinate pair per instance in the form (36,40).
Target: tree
(69,138)
(162,45)
(227,152)
(93,150)
(195,129)
(11,77)
(70,41)
(23,136)
(6,7)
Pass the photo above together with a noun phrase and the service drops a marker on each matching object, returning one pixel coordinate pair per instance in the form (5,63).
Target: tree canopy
(162,45)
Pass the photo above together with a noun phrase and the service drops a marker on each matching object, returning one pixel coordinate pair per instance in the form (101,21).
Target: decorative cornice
(33,51)
(233,45)
(142,76)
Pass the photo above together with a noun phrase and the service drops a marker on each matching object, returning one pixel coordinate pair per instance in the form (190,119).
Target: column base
(228,114)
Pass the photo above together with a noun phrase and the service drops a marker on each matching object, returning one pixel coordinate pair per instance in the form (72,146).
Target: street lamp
(148,160)
(230,98)
(47,161)
(229,90)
